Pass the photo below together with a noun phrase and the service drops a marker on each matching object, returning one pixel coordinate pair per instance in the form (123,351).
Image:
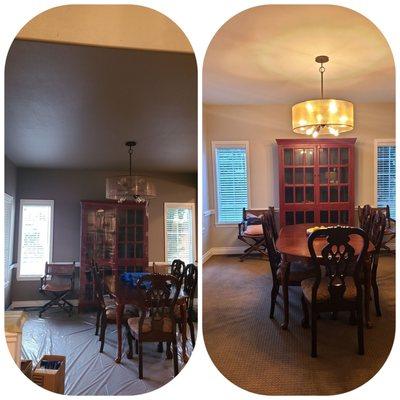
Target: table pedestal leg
(183,312)
(285,268)
(118,319)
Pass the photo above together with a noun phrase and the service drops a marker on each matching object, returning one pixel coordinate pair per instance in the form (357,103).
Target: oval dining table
(292,243)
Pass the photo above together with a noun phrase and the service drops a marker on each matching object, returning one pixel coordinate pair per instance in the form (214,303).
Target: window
(231,180)
(180,237)
(8,232)
(385,153)
(35,237)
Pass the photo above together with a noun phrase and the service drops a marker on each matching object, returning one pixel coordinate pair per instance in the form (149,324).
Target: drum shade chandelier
(322,116)
(130,187)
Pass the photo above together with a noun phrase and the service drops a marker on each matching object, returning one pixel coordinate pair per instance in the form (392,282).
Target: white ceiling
(72,106)
(265,55)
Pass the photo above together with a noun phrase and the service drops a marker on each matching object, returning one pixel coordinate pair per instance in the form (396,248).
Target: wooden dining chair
(364,217)
(106,311)
(377,232)
(56,284)
(156,322)
(340,288)
(390,230)
(177,268)
(298,271)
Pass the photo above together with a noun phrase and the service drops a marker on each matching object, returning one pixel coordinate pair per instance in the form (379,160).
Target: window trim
(378,143)
(192,206)
(7,267)
(23,202)
(226,144)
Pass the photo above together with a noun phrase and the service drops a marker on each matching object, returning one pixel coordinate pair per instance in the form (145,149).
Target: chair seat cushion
(298,272)
(128,312)
(253,230)
(165,325)
(56,287)
(323,291)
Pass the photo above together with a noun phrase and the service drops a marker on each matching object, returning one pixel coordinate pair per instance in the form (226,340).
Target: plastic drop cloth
(89,372)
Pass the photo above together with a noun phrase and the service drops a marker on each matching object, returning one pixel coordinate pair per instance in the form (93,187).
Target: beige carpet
(253,352)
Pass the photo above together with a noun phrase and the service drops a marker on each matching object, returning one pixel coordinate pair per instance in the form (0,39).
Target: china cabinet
(316,181)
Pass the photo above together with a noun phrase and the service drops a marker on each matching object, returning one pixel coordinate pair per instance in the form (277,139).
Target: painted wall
(261,125)
(68,187)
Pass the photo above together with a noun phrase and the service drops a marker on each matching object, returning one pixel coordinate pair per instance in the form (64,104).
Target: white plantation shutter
(179,232)
(231,182)
(386,176)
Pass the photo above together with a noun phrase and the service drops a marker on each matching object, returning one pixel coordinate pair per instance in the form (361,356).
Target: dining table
(292,244)
(124,294)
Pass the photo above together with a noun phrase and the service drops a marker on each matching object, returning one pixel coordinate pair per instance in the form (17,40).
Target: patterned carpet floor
(254,353)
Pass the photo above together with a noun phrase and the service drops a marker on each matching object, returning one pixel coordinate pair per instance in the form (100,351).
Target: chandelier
(322,116)
(130,187)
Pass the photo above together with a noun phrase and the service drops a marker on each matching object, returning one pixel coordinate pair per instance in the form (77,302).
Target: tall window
(180,232)
(386,175)
(8,232)
(231,180)
(35,237)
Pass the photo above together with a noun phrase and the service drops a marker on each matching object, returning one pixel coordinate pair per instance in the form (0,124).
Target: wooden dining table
(125,294)
(292,243)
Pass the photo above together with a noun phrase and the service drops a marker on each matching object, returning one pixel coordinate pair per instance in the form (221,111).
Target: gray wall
(68,187)
(10,187)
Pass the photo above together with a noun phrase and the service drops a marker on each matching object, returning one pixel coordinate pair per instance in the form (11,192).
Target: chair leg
(140,359)
(191,328)
(375,289)
(103,332)
(360,331)
(168,351)
(160,347)
(129,338)
(175,354)
(274,294)
(313,333)
(136,346)
(305,323)
(97,322)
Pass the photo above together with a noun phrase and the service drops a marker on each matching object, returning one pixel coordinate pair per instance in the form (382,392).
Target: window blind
(179,233)
(232,185)
(386,177)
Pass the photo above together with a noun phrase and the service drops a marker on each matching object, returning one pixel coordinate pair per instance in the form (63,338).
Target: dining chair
(156,322)
(298,271)
(364,217)
(56,284)
(177,268)
(106,310)
(190,275)
(390,230)
(340,288)
(377,232)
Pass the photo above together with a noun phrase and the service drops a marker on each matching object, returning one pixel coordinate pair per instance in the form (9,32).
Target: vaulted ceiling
(266,54)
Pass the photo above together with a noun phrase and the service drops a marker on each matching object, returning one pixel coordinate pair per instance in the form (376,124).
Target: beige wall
(261,125)
(126,26)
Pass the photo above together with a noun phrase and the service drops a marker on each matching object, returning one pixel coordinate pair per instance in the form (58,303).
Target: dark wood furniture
(316,181)
(115,236)
(340,288)
(390,230)
(156,322)
(124,295)
(177,268)
(250,232)
(56,284)
(298,270)
(364,217)
(292,244)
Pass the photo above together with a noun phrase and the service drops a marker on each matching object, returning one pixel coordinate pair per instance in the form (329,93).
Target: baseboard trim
(216,251)
(36,303)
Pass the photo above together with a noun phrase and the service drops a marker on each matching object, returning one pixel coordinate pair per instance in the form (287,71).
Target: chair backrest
(273,255)
(377,231)
(98,287)
(66,270)
(177,268)
(252,216)
(385,211)
(190,282)
(159,294)
(364,217)
(339,258)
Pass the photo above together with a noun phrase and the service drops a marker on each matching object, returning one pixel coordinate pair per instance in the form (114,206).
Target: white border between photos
(200,20)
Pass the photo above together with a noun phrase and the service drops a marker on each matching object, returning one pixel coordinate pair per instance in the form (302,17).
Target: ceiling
(73,106)
(265,55)
(107,25)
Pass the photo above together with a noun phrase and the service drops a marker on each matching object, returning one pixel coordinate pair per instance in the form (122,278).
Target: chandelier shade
(130,187)
(325,116)
(322,116)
